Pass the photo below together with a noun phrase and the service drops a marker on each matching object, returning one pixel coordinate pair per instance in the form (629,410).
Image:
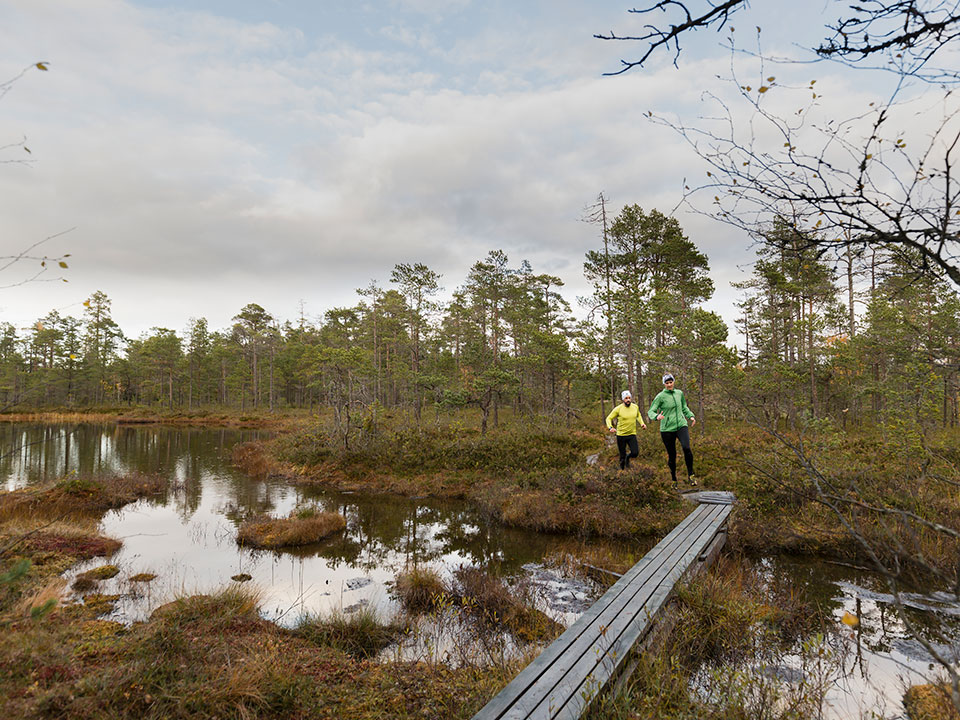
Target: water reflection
(882,655)
(33,453)
(188,537)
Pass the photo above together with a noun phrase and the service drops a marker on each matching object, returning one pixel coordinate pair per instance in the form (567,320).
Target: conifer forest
(856,339)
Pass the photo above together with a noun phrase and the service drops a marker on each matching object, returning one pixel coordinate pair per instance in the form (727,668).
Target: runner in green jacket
(670,408)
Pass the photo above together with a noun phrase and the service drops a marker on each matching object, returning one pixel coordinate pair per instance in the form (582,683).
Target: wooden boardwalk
(596,649)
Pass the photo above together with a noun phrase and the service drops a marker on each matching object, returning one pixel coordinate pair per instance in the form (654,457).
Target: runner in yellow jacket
(626,414)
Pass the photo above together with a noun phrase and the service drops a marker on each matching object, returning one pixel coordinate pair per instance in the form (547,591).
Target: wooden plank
(715,497)
(586,654)
(595,669)
(667,618)
(591,671)
(527,677)
(578,664)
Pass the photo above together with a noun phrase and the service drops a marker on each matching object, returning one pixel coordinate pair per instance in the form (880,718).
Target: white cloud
(209,162)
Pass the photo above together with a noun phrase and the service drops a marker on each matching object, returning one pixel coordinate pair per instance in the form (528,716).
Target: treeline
(860,340)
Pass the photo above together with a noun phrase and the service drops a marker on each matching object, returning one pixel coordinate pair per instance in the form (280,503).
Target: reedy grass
(362,633)
(418,588)
(302,527)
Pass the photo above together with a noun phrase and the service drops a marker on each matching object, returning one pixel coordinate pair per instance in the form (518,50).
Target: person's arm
(687,412)
(640,418)
(654,408)
(613,413)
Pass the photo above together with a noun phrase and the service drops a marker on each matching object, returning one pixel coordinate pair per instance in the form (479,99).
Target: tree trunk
(603,400)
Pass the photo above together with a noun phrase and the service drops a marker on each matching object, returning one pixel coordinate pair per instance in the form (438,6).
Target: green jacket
(673,405)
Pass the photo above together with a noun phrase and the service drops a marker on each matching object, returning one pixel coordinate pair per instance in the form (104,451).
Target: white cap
(625,394)
(666,377)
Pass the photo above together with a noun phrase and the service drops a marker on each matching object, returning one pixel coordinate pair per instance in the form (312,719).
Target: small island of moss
(302,527)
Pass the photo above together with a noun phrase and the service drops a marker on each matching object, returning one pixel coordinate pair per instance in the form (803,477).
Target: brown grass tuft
(250,458)
(930,702)
(143,577)
(418,589)
(104,572)
(301,528)
(47,596)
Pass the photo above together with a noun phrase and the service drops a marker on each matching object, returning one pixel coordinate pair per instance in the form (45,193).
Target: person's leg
(634,448)
(683,435)
(670,443)
(622,448)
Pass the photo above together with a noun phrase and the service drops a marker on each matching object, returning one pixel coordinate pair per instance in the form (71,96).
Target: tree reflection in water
(188,537)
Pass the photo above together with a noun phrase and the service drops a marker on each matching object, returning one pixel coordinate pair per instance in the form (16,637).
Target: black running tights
(622,442)
(670,443)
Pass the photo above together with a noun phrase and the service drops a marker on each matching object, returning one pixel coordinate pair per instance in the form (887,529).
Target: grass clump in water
(491,601)
(362,633)
(104,572)
(303,527)
(419,588)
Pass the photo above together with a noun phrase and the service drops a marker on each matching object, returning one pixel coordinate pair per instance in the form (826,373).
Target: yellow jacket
(626,419)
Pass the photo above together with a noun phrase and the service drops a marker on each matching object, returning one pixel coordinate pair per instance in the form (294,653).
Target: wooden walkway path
(596,649)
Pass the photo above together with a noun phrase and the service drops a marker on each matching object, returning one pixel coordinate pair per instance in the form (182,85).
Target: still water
(188,539)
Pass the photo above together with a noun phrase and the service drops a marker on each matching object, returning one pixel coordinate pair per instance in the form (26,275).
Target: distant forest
(851,339)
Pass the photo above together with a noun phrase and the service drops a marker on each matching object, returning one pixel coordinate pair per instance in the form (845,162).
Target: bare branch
(658,37)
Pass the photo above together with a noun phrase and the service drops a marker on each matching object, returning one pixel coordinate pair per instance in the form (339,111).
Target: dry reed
(298,529)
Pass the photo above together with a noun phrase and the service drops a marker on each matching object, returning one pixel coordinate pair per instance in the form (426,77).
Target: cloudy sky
(205,154)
